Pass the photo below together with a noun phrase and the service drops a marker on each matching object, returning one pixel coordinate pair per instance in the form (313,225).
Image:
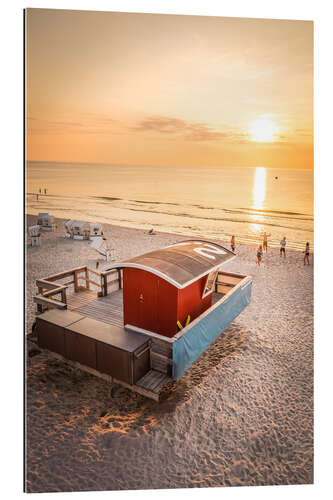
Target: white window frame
(206,293)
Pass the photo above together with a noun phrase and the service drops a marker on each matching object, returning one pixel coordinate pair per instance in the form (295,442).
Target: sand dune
(241,415)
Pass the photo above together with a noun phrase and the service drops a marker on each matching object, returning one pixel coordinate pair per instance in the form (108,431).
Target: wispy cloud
(304,132)
(190,131)
(87,123)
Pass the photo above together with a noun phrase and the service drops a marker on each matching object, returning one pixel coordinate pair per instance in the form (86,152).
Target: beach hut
(101,246)
(148,318)
(46,221)
(95,230)
(35,236)
(168,288)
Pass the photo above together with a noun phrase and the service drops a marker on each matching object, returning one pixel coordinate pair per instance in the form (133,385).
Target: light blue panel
(196,340)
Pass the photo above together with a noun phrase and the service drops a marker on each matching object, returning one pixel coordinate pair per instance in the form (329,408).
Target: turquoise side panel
(196,340)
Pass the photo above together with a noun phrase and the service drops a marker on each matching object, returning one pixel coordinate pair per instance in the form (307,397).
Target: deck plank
(108,309)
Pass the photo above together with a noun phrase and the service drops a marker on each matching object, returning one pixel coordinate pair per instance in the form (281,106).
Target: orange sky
(168,90)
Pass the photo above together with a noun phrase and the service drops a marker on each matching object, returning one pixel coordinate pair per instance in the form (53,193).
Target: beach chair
(80,230)
(69,228)
(35,236)
(101,246)
(45,221)
(95,229)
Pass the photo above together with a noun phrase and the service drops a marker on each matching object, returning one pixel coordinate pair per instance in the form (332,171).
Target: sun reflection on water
(258,196)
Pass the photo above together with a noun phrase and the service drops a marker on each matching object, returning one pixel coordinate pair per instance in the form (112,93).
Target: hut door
(147,298)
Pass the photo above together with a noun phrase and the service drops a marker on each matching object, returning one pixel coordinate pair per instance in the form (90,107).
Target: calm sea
(211,202)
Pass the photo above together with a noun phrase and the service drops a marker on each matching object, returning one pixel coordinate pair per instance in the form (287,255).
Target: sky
(151,89)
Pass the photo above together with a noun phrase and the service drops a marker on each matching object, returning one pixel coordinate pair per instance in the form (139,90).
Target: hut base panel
(149,387)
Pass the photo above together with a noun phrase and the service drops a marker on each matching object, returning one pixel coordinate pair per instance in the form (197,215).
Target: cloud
(87,123)
(190,131)
(304,132)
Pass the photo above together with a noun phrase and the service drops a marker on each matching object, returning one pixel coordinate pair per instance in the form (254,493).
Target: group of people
(264,246)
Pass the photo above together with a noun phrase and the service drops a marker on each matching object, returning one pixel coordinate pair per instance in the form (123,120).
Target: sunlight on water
(258,196)
(207,202)
(259,187)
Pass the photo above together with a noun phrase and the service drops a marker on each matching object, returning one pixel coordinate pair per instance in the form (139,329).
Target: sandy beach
(241,415)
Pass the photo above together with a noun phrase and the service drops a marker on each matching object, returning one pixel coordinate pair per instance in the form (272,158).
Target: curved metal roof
(182,263)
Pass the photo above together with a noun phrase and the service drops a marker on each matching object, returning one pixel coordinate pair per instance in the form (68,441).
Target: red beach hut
(166,288)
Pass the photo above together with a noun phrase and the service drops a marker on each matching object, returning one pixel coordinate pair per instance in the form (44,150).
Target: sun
(263,130)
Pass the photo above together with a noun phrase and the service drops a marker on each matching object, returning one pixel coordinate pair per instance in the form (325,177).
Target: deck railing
(50,287)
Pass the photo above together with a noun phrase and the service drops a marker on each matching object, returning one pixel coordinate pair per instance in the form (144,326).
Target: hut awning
(182,263)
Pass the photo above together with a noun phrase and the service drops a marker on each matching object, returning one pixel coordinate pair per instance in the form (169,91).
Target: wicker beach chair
(95,230)
(69,228)
(80,230)
(46,221)
(35,236)
(101,246)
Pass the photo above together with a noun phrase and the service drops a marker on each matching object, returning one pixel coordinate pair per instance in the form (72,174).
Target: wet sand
(241,415)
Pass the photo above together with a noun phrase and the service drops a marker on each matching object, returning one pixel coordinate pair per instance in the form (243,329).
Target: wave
(202,207)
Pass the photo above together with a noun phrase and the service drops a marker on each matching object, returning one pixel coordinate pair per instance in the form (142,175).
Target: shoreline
(225,243)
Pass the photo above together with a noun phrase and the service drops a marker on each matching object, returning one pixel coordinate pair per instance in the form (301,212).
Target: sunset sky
(168,90)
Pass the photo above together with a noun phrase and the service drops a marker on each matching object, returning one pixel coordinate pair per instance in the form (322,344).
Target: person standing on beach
(283,247)
(233,243)
(307,253)
(265,241)
(259,255)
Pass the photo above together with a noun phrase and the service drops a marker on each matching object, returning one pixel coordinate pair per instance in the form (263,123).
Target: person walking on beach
(265,241)
(283,247)
(233,243)
(307,253)
(259,255)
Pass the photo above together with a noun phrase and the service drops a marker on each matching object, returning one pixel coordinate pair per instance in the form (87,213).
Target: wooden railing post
(76,286)
(87,278)
(40,306)
(63,296)
(105,285)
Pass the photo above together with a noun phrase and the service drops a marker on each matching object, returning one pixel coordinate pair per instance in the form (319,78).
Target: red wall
(158,310)
(163,304)
(190,300)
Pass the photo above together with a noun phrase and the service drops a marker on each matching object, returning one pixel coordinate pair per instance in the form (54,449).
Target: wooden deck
(108,309)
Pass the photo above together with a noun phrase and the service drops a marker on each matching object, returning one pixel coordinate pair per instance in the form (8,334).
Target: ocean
(207,202)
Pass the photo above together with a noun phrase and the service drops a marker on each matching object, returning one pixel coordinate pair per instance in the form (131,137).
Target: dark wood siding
(80,348)
(50,336)
(114,362)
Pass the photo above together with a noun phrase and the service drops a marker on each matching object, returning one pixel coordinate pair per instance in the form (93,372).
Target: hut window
(211,278)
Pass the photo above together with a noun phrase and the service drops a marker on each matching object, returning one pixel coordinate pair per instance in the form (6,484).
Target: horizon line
(166,166)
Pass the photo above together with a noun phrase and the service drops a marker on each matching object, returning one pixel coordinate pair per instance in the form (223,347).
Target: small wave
(107,198)
(158,203)
(267,211)
(221,219)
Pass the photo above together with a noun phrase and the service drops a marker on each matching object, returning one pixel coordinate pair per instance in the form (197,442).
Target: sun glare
(263,130)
